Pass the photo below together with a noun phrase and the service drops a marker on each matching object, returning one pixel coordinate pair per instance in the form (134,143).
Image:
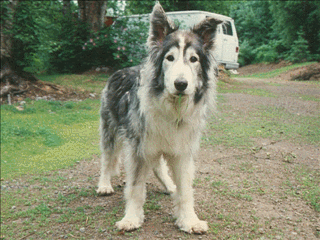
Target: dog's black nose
(181,84)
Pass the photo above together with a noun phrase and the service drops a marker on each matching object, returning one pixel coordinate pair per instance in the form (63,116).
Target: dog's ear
(207,30)
(160,26)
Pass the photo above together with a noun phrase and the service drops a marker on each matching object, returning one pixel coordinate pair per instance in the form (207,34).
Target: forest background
(47,37)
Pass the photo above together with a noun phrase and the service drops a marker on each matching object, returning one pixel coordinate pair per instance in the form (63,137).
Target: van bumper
(229,65)
(232,65)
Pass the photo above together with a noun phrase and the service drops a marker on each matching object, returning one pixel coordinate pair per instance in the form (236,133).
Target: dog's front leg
(135,194)
(187,220)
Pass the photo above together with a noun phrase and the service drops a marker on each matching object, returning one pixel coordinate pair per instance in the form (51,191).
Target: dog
(154,114)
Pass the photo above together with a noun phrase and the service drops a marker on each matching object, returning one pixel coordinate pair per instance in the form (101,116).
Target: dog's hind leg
(135,193)
(109,168)
(109,160)
(161,172)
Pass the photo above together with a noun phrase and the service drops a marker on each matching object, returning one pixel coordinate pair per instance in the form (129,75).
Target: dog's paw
(193,226)
(105,190)
(171,189)
(128,224)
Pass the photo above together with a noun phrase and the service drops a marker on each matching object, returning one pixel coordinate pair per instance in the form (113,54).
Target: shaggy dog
(154,114)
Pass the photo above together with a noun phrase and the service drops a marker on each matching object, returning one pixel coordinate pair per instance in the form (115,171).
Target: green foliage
(272,30)
(66,55)
(253,22)
(129,38)
(292,17)
(25,31)
(123,43)
(267,52)
(246,54)
(47,40)
(299,50)
(145,6)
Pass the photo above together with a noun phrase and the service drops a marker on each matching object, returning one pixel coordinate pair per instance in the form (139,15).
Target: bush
(268,52)
(122,44)
(66,54)
(25,32)
(299,51)
(246,54)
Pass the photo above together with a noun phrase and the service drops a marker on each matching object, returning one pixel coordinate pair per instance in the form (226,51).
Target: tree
(66,7)
(145,6)
(269,31)
(93,13)
(293,17)
(254,21)
(12,75)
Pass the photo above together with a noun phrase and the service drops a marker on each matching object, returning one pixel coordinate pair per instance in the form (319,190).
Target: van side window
(227,28)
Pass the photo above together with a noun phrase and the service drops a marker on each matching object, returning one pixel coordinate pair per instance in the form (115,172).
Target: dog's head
(181,57)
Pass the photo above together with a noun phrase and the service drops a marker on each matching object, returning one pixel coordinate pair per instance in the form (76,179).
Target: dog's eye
(193,59)
(170,58)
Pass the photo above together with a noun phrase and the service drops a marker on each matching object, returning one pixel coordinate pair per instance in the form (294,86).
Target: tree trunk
(93,13)
(6,39)
(11,76)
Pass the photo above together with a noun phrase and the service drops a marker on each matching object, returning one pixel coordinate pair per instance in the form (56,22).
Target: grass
(261,122)
(306,185)
(276,72)
(47,135)
(307,97)
(42,209)
(238,87)
(92,83)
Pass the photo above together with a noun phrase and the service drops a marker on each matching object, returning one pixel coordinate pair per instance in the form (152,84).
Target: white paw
(193,226)
(171,189)
(128,224)
(105,190)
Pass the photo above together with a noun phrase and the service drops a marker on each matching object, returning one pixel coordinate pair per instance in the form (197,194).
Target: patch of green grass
(35,212)
(217,184)
(92,83)
(307,186)
(237,129)
(152,202)
(250,91)
(277,72)
(47,135)
(237,87)
(308,98)
(222,188)
(112,217)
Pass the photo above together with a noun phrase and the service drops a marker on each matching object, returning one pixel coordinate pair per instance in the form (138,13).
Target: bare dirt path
(267,190)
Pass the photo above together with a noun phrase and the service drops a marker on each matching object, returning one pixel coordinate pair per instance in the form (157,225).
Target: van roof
(215,15)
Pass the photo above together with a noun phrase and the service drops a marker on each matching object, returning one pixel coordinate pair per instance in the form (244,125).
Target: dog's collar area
(178,94)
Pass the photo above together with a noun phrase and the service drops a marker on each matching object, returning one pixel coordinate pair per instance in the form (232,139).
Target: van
(227,45)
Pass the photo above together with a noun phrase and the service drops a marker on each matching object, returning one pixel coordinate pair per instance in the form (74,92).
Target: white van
(227,44)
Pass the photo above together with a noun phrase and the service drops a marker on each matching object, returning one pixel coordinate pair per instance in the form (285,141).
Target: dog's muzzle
(181,84)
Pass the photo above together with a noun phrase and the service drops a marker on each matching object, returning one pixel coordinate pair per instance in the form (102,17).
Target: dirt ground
(47,91)
(310,72)
(242,193)
(262,67)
